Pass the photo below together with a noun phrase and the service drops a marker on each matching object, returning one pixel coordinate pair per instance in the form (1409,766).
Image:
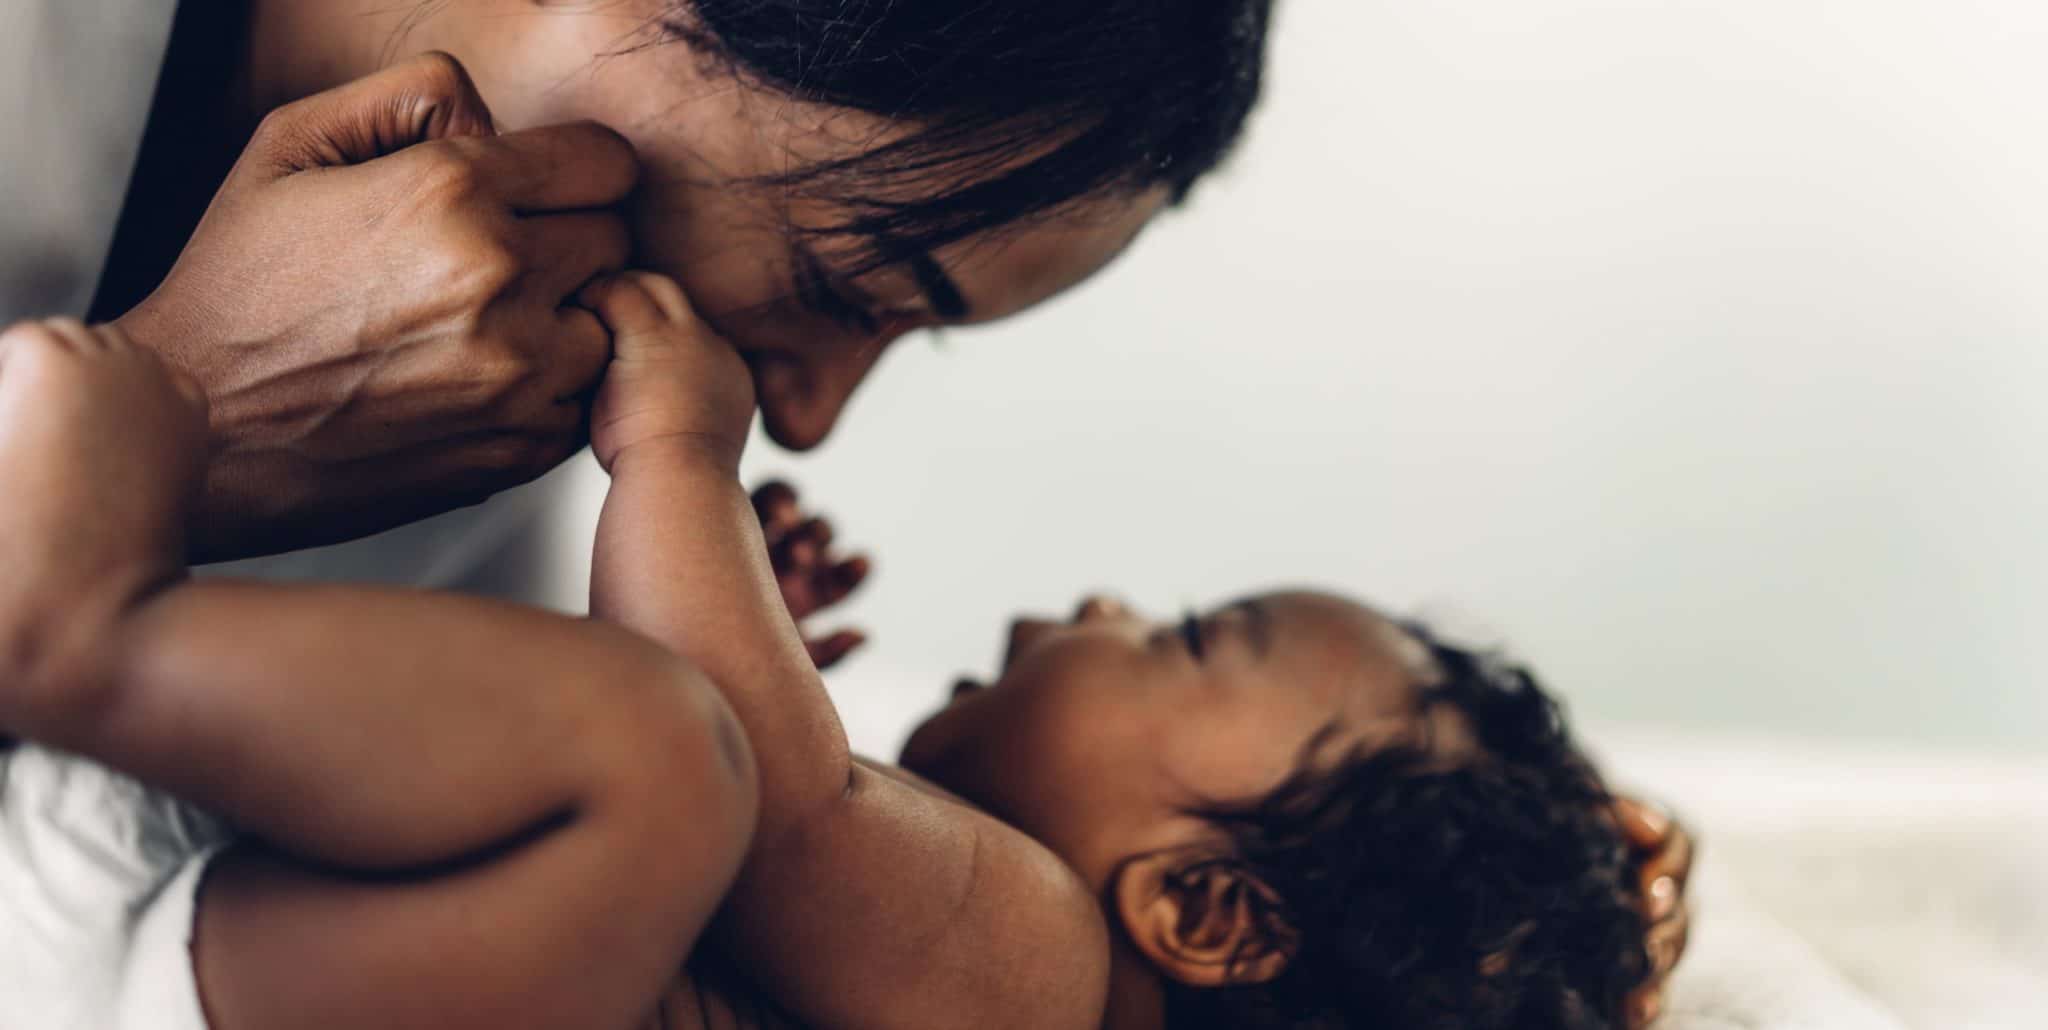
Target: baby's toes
(30,337)
(33,350)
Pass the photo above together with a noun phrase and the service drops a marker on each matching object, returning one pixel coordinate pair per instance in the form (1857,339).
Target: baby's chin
(947,733)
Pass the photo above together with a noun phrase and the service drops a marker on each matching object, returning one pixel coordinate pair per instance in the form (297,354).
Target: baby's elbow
(681,767)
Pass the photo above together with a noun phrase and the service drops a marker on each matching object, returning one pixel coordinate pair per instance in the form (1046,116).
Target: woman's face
(810,333)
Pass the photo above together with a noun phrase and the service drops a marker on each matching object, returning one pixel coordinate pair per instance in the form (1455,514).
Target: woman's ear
(1202,919)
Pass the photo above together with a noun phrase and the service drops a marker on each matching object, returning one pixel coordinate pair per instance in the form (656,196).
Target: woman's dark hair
(1016,108)
(1425,892)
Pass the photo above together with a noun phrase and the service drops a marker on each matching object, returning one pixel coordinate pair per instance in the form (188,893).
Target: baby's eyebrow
(1258,624)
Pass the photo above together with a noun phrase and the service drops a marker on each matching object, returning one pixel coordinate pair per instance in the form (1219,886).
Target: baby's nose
(1100,606)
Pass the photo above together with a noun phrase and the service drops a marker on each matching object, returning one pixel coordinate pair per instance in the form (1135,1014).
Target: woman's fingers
(1667,945)
(568,251)
(1661,898)
(1646,825)
(1673,859)
(1667,852)
(1645,1006)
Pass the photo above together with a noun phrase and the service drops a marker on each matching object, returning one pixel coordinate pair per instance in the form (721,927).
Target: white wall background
(1697,349)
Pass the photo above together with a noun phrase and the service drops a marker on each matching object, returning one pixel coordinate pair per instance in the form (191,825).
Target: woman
(822,177)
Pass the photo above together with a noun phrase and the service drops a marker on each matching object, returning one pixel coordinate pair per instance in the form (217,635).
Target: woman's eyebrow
(940,291)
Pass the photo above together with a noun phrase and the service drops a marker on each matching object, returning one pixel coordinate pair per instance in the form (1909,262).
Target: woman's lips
(965,686)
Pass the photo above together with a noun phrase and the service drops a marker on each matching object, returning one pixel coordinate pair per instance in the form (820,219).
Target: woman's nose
(1101,606)
(803,395)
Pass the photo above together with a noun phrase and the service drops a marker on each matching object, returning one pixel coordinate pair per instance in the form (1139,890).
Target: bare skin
(582,782)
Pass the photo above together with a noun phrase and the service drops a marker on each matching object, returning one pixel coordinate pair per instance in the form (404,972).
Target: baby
(390,809)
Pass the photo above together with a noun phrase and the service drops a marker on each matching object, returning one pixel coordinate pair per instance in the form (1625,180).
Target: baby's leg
(474,815)
(464,814)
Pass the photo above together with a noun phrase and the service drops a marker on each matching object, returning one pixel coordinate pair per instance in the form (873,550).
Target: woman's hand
(812,575)
(1666,851)
(376,305)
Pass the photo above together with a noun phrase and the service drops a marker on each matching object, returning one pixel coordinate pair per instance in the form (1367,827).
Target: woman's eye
(815,289)
(844,313)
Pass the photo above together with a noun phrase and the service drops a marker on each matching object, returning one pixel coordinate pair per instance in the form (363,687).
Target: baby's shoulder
(1026,933)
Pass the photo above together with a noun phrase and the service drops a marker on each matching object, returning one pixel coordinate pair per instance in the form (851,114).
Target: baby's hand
(670,376)
(811,573)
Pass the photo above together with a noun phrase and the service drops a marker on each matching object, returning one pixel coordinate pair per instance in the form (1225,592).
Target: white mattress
(1854,887)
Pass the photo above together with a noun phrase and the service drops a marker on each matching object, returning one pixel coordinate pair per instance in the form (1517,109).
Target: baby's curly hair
(1419,892)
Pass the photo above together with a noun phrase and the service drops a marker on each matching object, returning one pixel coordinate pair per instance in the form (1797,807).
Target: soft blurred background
(1696,351)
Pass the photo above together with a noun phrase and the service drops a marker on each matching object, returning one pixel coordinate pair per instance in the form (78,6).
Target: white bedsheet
(1854,888)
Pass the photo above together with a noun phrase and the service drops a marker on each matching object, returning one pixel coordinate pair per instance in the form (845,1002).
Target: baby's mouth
(1023,632)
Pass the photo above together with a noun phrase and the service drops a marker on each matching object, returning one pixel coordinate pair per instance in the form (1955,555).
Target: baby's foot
(671,376)
(101,450)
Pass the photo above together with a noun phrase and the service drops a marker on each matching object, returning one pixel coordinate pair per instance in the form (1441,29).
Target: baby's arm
(465,814)
(865,901)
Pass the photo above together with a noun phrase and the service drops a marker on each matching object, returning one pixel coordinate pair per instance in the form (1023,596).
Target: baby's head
(1300,814)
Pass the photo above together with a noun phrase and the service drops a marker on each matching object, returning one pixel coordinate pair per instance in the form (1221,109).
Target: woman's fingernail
(1662,898)
(1654,818)
(1648,1008)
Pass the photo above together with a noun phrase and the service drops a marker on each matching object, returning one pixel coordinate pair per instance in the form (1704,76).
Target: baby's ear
(1203,919)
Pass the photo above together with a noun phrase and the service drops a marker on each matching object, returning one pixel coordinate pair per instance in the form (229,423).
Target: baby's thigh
(581,924)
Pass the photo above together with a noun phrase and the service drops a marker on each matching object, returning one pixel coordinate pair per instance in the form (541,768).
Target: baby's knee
(681,784)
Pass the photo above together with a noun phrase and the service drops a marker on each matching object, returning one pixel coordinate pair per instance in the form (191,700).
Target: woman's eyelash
(814,288)
(1191,633)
